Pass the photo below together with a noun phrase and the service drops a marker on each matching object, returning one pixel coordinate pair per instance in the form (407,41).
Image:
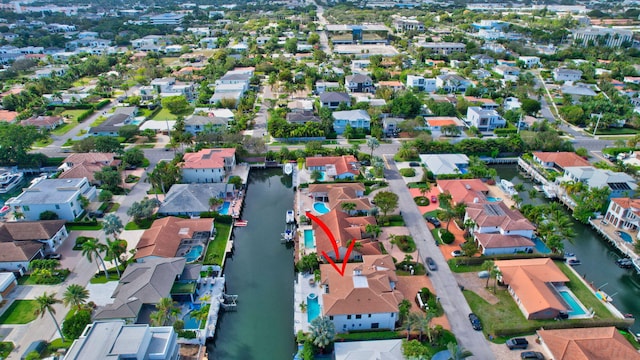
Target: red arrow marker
(334,243)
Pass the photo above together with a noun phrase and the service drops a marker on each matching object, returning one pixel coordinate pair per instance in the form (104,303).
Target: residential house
(300,106)
(116,339)
(142,286)
(62,196)
(464,191)
(340,193)
(562,74)
(506,70)
(511,103)
(208,43)
(499,229)
(23,241)
(8,282)
(484,120)
(195,124)
(443,48)
(530,61)
(359,83)
(452,83)
(436,123)
(65,98)
(323,86)
(624,213)
(208,165)
(332,100)
(79,165)
(193,199)
(483,59)
(587,343)
(168,86)
(441,164)
(372,349)
(484,103)
(335,167)
(393,85)
(7,116)
(173,237)
(559,160)
(534,284)
(121,116)
(577,91)
(50,71)
(166,19)
(421,83)
(150,43)
(390,125)
(619,184)
(357,119)
(43,122)
(302,117)
(365,298)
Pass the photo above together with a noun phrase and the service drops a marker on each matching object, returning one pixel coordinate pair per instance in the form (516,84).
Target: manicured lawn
(616,131)
(61,130)
(583,293)
(20,312)
(462,268)
(373,335)
(98,121)
(215,248)
(436,235)
(144,224)
(101,279)
(163,115)
(43,143)
(72,227)
(357,141)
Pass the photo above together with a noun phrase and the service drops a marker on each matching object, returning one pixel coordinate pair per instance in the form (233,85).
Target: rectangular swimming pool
(308,239)
(541,247)
(313,308)
(576,308)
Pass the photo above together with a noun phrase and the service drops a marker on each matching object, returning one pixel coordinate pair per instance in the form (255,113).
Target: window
(369,315)
(375,325)
(358,316)
(26,208)
(57,207)
(348,317)
(330,317)
(392,314)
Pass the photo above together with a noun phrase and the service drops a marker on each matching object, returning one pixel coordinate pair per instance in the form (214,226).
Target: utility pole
(599,116)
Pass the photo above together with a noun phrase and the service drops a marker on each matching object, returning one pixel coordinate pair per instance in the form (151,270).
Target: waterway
(261,273)
(597,256)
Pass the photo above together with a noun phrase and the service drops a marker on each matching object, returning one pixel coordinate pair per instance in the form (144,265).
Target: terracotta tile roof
(43,121)
(390,83)
(530,281)
(8,116)
(481,100)
(92,157)
(497,214)
(163,238)
(340,195)
(29,230)
(498,241)
(343,227)
(82,170)
(443,121)
(208,158)
(365,287)
(588,344)
(325,188)
(562,158)
(12,91)
(343,164)
(464,190)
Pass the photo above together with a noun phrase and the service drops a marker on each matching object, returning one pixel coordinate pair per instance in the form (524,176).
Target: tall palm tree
(75,295)
(488,265)
(115,248)
(91,249)
(348,206)
(167,310)
(446,205)
(410,322)
(457,353)
(45,304)
(322,331)
(422,322)
(374,230)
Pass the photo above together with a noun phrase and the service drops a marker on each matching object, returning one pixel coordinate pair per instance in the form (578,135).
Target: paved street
(446,287)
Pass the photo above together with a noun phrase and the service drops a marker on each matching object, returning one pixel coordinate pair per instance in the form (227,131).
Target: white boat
(290,218)
(288,168)
(508,187)
(287,235)
(9,181)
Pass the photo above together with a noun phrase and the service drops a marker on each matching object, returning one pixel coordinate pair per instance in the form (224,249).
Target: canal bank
(598,257)
(261,273)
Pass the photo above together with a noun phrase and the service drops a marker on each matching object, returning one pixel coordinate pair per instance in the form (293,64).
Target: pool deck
(301,289)
(609,232)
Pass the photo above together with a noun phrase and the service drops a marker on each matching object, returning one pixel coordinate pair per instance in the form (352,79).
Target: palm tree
(372,144)
(92,248)
(45,304)
(322,331)
(410,323)
(214,202)
(374,230)
(446,205)
(115,248)
(488,265)
(167,310)
(495,274)
(75,295)
(457,353)
(348,206)
(422,322)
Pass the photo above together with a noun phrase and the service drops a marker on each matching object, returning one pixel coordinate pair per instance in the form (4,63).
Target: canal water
(261,273)
(597,256)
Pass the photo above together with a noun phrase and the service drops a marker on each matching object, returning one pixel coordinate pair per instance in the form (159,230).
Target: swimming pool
(194,253)
(190,322)
(463,168)
(493,199)
(540,246)
(308,239)
(575,307)
(313,307)
(626,237)
(320,208)
(224,210)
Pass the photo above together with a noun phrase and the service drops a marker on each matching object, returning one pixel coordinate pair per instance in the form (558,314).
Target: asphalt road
(446,286)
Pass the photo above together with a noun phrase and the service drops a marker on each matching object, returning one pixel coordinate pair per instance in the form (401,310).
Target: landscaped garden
(404,243)
(407,172)
(20,312)
(421,200)
(216,248)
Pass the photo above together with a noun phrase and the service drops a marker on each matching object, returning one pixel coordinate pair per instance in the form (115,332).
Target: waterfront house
(365,298)
(619,184)
(356,119)
(173,237)
(624,213)
(320,192)
(345,229)
(338,194)
(464,191)
(441,164)
(332,99)
(372,349)
(62,196)
(119,340)
(533,285)
(208,165)
(193,199)
(559,160)
(79,165)
(499,229)
(23,241)
(484,120)
(335,167)
(587,343)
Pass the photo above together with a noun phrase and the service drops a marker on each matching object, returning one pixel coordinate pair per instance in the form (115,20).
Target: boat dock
(608,231)
(499,161)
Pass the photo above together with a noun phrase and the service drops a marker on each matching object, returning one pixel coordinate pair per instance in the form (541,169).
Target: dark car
(531,355)
(475,322)
(431,264)
(53,256)
(517,343)
(433,221)
(414,164)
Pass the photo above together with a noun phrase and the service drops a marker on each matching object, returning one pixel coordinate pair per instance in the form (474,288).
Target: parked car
(531,355)
(433,221)
(431,264)
(475,322)
(517,343)
(456,253)
(53,256)
(414,164)
(434,199)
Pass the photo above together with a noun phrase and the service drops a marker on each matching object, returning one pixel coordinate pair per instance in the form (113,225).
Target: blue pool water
(321,208)
(313,307)
(224,210)
(308,239)
(323,176)
(576,309)
(626,237)
(540,246)
(463,169)
(194,253)
(189,322)
(493,199)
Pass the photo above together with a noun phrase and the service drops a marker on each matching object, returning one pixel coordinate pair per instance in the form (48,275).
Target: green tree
(72,327)
(75,296)
(115,248)
(446,204)
(48,215)
(374,230)
(386,201)
(322,332)
(91,249)
(105,195)
(150,134)
(128,131)
(316,175)
(348,206)
(109,177)
(414,349)
(142,210)
(308,263)
(164,175)
(44,304)
(406,105)
(530,106)
(166,312)
(177,105)
(133,157)
(236,181)
(15,142)
(372,144)
(107,144)
(457,353)
(488,265)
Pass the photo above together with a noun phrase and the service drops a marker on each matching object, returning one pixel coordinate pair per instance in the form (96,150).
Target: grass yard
(98,121)
(43,143)
(357,141)
(463,268)
(20,312)
(616,131)
(215,248)
(583,293)
(163,115)
(77,227)
(101,279)
(82,81)
(144,225)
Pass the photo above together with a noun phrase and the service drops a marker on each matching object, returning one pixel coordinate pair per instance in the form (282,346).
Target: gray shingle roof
(332,96)
(192,198)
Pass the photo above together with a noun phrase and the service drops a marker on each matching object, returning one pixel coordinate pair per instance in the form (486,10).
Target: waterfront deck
(215,289)
(303,286)
(609,232)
